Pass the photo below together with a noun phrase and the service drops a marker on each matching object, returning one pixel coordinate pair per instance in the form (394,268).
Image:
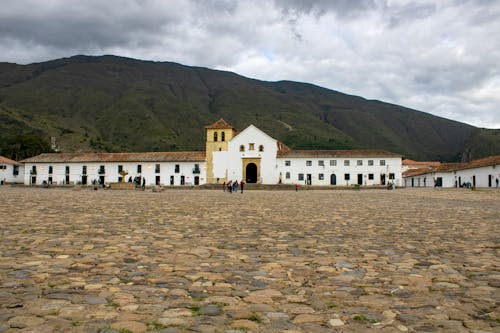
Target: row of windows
(347,176)
(251,146)
(334,162)
(102,169)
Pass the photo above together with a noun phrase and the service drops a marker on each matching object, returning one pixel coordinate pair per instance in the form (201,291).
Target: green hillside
(110,103)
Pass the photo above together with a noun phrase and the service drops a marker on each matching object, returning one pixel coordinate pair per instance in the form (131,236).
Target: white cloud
(438,57)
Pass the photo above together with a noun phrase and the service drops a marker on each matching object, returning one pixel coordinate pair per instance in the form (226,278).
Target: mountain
(109,103)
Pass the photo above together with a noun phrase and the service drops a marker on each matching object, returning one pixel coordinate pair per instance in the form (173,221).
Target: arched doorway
(333,179)
(251,173)
(197,180)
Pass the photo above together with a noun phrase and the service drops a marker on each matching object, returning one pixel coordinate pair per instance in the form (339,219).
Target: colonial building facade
(250,155)
(11,171)
(484,172)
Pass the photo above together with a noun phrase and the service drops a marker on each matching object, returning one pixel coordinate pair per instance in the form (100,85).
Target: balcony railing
(196,170)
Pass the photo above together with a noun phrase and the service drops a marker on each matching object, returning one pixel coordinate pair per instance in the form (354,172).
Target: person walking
(242,184)
(224,186)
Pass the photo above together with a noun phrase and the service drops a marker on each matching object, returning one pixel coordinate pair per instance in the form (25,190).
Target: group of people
(137,182)
(233,186)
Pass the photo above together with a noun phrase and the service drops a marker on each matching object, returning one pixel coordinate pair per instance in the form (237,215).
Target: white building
(162,168)
(250,155)
(484,172)
(11,171)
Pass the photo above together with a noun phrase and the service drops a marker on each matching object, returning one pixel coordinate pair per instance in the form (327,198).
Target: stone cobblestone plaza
(409,260)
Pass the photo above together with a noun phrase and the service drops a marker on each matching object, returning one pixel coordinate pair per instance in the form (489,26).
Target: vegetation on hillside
(117,104)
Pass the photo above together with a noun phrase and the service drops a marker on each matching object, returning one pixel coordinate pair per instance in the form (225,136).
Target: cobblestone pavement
(262,261)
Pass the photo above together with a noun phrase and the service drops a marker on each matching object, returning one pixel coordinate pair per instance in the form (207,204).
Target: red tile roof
(5,160)
(220,124)
(448,167)
(418,163)
(417,172)
(335,153)
(189,156)
(483,162)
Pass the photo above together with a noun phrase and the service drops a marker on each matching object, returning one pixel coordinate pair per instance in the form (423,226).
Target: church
(250,155)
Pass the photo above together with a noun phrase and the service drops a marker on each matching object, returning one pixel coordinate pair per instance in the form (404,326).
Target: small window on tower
(251,146)
(222,136)
(215,136)
(242,148)
(261,148)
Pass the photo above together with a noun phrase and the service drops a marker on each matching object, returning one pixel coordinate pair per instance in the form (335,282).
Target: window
(15,170)
(67,169)
(288,163)
(242,148)
(347,176)
(391,176)
(222,136)
(261,148)
(370,162)
(157,168)
(251,146)
(333,162)
(382,162)
(370,176)
(215,136)
(359,162)
(301,176)
(321,176)
(102,170)
(139,168)
(321,163)
(177,168)
(51,170)
(33,170)
(309,163)
(120,168)
(287,175)
(196,168)
(346,162)
(3,167)
(84,170)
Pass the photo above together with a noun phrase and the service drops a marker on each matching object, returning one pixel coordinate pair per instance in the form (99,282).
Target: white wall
(220,164)
(481,175)
(7,174)
(299,166)
(167,169)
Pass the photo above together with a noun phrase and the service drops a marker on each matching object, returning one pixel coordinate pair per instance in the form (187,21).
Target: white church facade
(250,155)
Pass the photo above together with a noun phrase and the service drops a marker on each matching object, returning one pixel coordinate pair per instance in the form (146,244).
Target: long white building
(250,155)
(484,172)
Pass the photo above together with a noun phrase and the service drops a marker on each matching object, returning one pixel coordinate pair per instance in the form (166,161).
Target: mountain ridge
(111,103)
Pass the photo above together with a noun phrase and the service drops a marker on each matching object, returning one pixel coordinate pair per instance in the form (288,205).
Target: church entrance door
(251,173)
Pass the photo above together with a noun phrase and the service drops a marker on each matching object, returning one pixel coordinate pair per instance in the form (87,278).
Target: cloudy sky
(437,56)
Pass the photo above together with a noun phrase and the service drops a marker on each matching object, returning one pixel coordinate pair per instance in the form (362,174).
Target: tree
(22,146)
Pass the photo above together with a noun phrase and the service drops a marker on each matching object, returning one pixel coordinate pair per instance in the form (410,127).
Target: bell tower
(218,136)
